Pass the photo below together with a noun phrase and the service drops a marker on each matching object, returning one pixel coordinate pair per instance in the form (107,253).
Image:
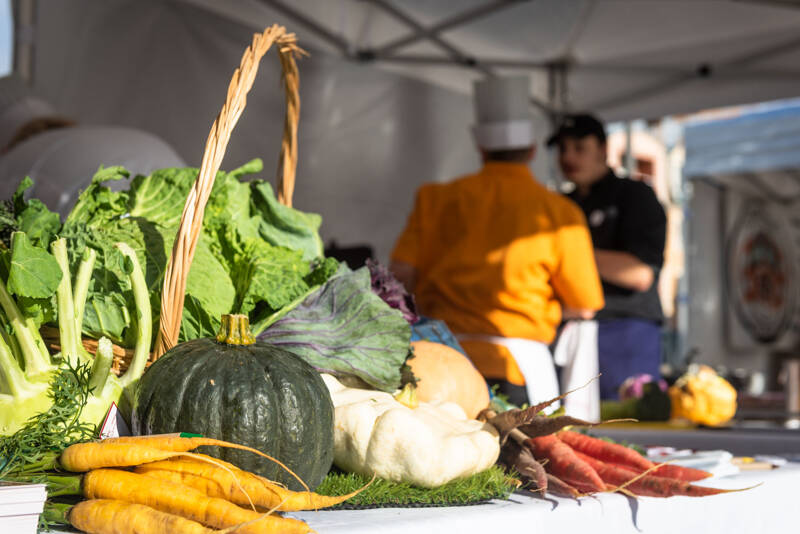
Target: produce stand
(761,509)
(381,422)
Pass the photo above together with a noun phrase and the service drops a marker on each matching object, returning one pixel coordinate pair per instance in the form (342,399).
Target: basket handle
(174,289)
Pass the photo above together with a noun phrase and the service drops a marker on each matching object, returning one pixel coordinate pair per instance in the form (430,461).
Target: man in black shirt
(628,228)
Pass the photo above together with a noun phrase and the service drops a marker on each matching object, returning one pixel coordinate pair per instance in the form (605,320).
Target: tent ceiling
(620,58)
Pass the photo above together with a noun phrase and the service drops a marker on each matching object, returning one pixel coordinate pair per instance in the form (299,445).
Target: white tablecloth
(770,508)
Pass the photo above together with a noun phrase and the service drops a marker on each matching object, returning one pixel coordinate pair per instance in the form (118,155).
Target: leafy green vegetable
(236,267)
(34,272)
(285,227)
(343,328)
(270,275)
(33,217)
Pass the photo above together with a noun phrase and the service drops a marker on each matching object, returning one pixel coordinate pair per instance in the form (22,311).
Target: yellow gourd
(445,375)
(703,397)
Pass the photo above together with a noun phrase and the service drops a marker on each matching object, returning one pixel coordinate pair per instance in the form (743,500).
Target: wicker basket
(174,286)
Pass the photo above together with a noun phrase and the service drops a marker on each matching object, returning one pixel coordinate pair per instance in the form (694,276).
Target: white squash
(427,446)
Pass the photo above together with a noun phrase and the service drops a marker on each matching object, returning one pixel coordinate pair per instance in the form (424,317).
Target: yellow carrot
(228,482)
(179,443)
(103,516)
(106,516)
(83,457)
(183,501)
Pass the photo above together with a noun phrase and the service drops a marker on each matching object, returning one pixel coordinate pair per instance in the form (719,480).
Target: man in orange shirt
(497,256)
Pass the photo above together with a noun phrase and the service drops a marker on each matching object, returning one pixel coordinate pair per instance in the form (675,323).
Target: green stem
(79,293)
(11,373)
(36,361)
(47,462)
(10,339)
(144,318)
(56,513)
(81,289)
(70,339)
(102,366)
(234,329)
(60,485)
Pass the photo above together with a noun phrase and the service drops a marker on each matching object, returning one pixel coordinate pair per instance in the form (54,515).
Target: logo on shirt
(598,217)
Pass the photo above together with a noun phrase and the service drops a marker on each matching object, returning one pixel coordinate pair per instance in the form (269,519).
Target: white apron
(576,353)
(534,361)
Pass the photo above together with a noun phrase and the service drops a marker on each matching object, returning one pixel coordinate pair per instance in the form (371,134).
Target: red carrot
(604,451)
(617,454)
(678,472)
(564,463)
(648,485)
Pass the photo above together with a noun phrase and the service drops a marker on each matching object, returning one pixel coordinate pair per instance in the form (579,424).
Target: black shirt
(625,215)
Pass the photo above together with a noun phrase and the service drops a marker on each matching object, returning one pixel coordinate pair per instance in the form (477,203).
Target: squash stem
(235,330)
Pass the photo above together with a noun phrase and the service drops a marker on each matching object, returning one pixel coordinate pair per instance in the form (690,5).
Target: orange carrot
(648,485)
(179,443)
(237,486)
(565,464)
(182,501)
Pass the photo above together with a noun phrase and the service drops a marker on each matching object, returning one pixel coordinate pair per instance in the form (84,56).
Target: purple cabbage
(393,293)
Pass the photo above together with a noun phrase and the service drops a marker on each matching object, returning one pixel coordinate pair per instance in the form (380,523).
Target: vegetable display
(236,389)
(427,445)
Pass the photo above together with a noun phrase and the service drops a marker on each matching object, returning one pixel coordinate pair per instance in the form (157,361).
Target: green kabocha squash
(236,389)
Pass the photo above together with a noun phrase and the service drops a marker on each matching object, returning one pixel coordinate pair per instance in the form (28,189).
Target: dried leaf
(543,426)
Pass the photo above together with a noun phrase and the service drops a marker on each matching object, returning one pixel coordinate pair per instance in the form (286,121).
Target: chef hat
(503,120)
(18,106)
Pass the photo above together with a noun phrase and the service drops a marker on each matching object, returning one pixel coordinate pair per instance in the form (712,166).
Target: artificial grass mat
(493,483)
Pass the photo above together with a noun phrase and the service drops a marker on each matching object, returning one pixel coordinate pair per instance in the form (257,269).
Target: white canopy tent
(623,59)
(386,91)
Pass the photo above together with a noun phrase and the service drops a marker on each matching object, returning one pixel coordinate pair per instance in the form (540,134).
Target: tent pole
(24,27)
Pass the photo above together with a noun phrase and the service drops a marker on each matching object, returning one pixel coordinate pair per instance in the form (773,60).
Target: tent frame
(557,68)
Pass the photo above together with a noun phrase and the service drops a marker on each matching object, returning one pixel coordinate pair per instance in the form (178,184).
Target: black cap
(580,125)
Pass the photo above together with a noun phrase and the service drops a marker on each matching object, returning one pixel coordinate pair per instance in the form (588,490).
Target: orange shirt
(497,253)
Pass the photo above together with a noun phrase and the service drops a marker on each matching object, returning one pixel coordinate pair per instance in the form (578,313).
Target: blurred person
(497,256)
(628,228)
(61,156)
